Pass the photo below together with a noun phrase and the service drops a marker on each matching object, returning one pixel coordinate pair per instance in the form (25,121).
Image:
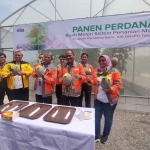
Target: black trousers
(67,100)
(19,94)
(58,91)
(86,91)
(41,99)
(3,91)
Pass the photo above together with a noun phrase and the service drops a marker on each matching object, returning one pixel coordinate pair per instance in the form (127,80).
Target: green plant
(37,35)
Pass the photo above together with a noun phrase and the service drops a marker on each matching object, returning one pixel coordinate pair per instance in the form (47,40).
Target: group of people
(105,100)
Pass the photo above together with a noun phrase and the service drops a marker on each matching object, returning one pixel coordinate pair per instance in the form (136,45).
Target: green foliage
(124,54)
(93,55)
(37,35)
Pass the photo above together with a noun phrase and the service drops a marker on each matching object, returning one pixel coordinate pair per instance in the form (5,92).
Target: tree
(124,54)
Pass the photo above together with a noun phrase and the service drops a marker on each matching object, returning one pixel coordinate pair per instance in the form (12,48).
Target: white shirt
(39,88)
(18,82)
(101,96)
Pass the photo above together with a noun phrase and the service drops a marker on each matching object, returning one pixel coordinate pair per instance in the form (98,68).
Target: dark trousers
(58,91)
(86,91)
(3,91)
(41,99)
(108,111)
(19,94)
(67,100)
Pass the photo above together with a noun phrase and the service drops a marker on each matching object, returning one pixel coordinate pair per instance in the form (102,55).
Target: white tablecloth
(26,134)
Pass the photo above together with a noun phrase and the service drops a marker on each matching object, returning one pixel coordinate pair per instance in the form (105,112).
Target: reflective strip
(117,80)
(48,91)
(77,90)
(114,97)
(54,76)
(117,87)
(60,73)
(82,72)
(76,80)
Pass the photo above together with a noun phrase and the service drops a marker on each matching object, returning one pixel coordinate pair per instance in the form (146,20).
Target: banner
(130,30)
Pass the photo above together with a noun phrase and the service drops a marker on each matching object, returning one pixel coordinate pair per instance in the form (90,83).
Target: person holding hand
(44,83)
(105,99)
(18,83)
(71,92)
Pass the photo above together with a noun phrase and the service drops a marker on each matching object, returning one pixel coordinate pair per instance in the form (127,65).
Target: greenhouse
(134,61)
(134,69)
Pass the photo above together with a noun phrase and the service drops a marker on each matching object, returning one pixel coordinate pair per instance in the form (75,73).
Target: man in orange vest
(71,92)
(44,84)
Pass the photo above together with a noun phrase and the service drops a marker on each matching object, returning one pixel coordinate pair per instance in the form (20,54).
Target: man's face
(62,60)
(2,59)
(69,57)
(41,57)
(47,59)
(18,56)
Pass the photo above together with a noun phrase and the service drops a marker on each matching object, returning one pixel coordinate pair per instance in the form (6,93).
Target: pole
(55,10)
(90,8)
(133,65)
(0,37)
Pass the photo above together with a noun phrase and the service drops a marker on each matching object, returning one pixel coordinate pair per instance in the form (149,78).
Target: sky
(7,7)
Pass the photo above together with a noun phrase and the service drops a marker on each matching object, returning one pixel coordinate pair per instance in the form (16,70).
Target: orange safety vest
(58,69)
(116,86)
(49,80)
(93,75)
(76,84)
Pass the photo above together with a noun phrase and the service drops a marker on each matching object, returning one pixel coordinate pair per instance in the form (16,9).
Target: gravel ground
(130,131)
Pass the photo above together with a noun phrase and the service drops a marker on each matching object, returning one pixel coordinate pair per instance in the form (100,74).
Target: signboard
(130,30)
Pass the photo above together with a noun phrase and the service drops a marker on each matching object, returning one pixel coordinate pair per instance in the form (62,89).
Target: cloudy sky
(9,6)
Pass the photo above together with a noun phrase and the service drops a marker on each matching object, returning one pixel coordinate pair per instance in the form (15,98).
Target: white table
(26,134)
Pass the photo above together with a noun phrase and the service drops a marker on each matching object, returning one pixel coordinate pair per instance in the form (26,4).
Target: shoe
(104,139)
(97,140)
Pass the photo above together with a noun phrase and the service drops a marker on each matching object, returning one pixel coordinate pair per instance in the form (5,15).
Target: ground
(130,131)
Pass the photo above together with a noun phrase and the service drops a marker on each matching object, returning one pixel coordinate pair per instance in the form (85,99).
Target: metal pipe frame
(133,75)
(40,13)
(103,8)
(90,8)
(146,2)
(17,11)
(0,36)
(56,10)
(14,23)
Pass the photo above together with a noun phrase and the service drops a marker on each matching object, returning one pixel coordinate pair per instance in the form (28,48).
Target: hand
(78,76)
(11,74)
(95,96)
(42,75)
(106,90)
(89,78)
(39,76)
(21,73)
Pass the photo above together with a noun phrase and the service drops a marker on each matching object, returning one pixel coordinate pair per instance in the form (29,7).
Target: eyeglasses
(102,60)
